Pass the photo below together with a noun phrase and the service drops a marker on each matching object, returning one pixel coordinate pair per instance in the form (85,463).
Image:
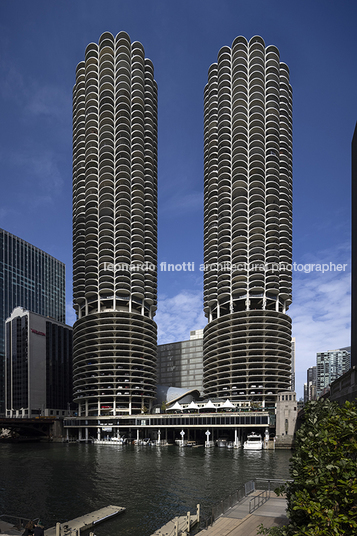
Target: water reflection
(61,482)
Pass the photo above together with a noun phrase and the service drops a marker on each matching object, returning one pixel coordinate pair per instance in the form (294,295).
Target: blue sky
(41,43)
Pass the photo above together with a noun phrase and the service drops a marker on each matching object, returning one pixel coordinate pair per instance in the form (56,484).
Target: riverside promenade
(237,521)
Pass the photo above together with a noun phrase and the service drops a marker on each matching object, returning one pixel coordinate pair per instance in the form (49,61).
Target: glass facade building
(331,365)
(180,364)
(29,278)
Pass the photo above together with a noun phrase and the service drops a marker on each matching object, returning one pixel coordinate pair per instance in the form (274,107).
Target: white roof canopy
(176,406)
(210,405)
(227,404)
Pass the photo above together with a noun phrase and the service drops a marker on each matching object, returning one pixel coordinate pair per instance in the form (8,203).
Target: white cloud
(321,314)
(178,315)
(70,314)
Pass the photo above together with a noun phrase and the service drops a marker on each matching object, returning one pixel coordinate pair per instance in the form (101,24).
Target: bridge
(29,429)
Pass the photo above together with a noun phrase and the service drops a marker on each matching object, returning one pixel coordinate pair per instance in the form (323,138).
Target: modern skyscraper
(114,227)
(331,365)
(29,278)
(310,384)
(354,253)
(247,223)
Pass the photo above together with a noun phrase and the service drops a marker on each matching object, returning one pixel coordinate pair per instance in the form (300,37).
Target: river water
(59,482)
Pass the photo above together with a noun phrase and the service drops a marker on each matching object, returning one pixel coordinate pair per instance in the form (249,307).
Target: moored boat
(253,442)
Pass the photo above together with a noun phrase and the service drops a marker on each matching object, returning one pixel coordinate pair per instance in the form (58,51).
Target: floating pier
(84,522)
(179,525)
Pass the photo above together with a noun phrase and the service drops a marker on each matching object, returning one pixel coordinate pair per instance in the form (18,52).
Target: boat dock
(179,525)
(245,517)
(84,522)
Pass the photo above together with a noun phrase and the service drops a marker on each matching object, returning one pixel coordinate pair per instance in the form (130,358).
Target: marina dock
(179,525)
(84,522)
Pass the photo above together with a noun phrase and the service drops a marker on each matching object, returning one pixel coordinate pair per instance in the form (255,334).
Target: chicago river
(58,482)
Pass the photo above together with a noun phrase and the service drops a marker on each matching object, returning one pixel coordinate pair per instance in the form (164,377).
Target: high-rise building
(310,391)
(331,365)
(38,365)
(29,278)
(354,253)
(114,227)
(179,364)
(293,351)
(247,223)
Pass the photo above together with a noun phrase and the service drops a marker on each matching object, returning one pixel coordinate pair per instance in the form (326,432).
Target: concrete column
(87,435)
(98,433)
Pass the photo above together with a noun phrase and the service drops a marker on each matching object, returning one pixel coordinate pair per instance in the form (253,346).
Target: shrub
(322,499)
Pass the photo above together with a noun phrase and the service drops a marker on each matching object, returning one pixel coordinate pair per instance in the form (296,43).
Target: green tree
(322,499)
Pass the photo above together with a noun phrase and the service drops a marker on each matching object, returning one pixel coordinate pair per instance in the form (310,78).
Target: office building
(293,350)
(114,228)
(247,223)
(29,278)
(331,365)
(38,365)
(310,385)
(354,253)
(180,364)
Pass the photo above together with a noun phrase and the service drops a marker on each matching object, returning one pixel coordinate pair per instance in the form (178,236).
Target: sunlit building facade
(114,228)
(29,278)
(331,365)
(38,365)
(247,223)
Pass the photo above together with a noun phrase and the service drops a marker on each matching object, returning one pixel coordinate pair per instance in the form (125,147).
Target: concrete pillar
(98,433)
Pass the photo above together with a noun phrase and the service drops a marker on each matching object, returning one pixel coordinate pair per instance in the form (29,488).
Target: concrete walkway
(238,522)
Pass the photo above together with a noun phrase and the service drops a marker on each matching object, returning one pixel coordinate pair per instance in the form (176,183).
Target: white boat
(254,442)
(111,441)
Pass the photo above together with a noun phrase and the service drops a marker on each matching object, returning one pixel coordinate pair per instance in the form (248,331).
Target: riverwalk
(238,521)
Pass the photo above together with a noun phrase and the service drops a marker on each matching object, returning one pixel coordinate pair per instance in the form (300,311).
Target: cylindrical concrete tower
(247,223)
(114,228)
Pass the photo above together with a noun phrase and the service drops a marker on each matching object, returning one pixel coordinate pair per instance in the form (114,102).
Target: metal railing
(258,500)
(227,503)
(265,484)
(270,483)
